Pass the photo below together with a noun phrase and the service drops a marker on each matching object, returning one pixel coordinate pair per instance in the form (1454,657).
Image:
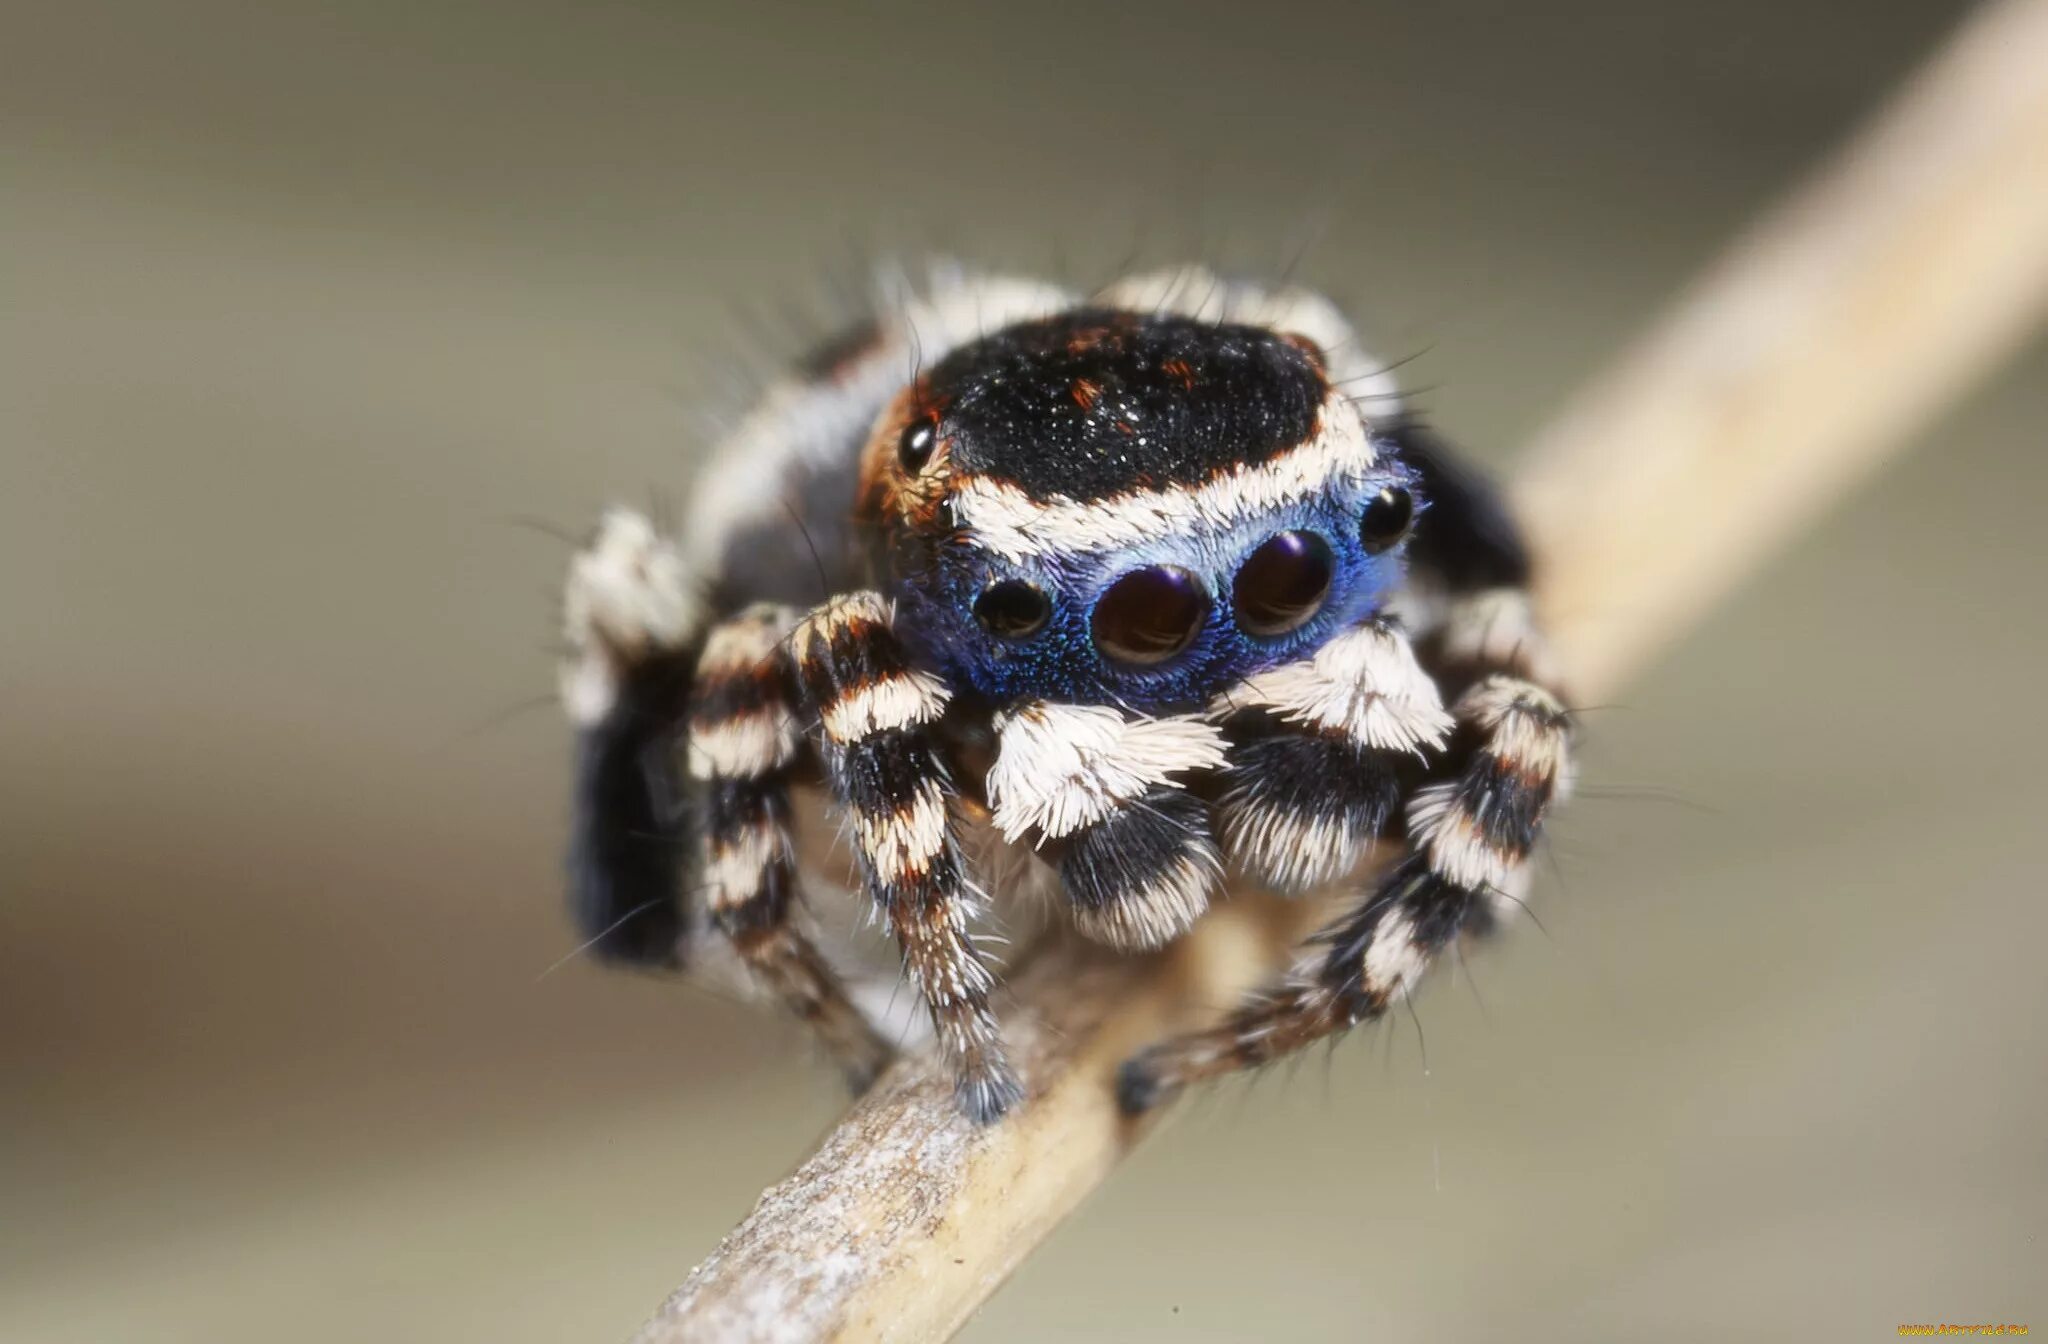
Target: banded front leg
(743,745)
(632,627)
(1135,854)
(876,718)
(1319,752)
(1514,741)
(1471,829)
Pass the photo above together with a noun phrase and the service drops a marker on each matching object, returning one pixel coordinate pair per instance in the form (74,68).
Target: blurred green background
(303,303)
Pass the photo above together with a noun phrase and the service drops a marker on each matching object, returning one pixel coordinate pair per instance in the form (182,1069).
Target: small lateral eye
(1012,609)
(914,448)
(1149,615)
(1282,584)
(1387,519)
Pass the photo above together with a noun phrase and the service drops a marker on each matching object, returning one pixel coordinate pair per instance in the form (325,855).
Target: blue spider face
(1133,509)
(1167,621)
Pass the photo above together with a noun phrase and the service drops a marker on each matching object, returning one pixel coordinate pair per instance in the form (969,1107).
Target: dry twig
(1823,340)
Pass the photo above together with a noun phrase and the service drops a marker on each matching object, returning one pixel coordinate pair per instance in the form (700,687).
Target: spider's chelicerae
(1157,586)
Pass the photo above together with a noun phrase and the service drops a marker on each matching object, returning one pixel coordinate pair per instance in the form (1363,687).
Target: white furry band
(838,613)
(901,701)
(1393,963)
(734,866)
(745,747)
(1451,838)
(1287,849)
(901,845)
(589,687)
(627,588)
(1524,724)
(1157,913)
(745,641)
(1009,522)
(626,600)
(1365,683)
(1063,767)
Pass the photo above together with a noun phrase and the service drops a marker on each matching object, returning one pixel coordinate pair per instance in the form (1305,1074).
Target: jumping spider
(1155,584)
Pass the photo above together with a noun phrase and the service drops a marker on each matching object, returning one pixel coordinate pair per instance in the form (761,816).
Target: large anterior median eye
(1149,615)
(1282,584)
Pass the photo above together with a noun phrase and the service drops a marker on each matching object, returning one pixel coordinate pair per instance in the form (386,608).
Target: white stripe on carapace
(1003,519)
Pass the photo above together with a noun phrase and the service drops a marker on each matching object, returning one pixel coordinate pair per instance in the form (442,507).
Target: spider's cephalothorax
(1134,509)
(1158,584)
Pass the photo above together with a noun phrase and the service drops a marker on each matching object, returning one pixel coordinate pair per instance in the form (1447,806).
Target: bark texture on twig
(1824,339)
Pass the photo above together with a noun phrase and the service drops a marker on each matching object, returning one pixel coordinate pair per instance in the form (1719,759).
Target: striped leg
(1470,833)
(1318,752)
(1135,855)
(876,718)
(743,743)
(632,628)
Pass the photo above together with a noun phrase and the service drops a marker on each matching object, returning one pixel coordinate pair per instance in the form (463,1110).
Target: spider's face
(1133,509)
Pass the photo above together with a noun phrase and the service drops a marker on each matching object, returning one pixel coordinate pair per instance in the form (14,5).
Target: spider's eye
(1282,584)
(1386,519)
(1012,609)
(914,449)
(1149,615)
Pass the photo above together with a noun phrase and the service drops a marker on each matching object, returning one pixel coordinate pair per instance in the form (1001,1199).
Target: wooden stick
(1822,341)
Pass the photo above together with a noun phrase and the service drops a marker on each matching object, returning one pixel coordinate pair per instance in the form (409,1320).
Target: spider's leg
(876,718)
(1320,751)
(1470,829)
(632,629)
(1135,855)
(743,745)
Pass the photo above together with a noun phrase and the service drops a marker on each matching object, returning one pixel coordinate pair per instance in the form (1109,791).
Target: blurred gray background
(302,304)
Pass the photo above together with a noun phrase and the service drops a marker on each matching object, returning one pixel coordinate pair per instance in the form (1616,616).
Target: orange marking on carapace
(1307,347)
(1084,392)
(1178,368)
